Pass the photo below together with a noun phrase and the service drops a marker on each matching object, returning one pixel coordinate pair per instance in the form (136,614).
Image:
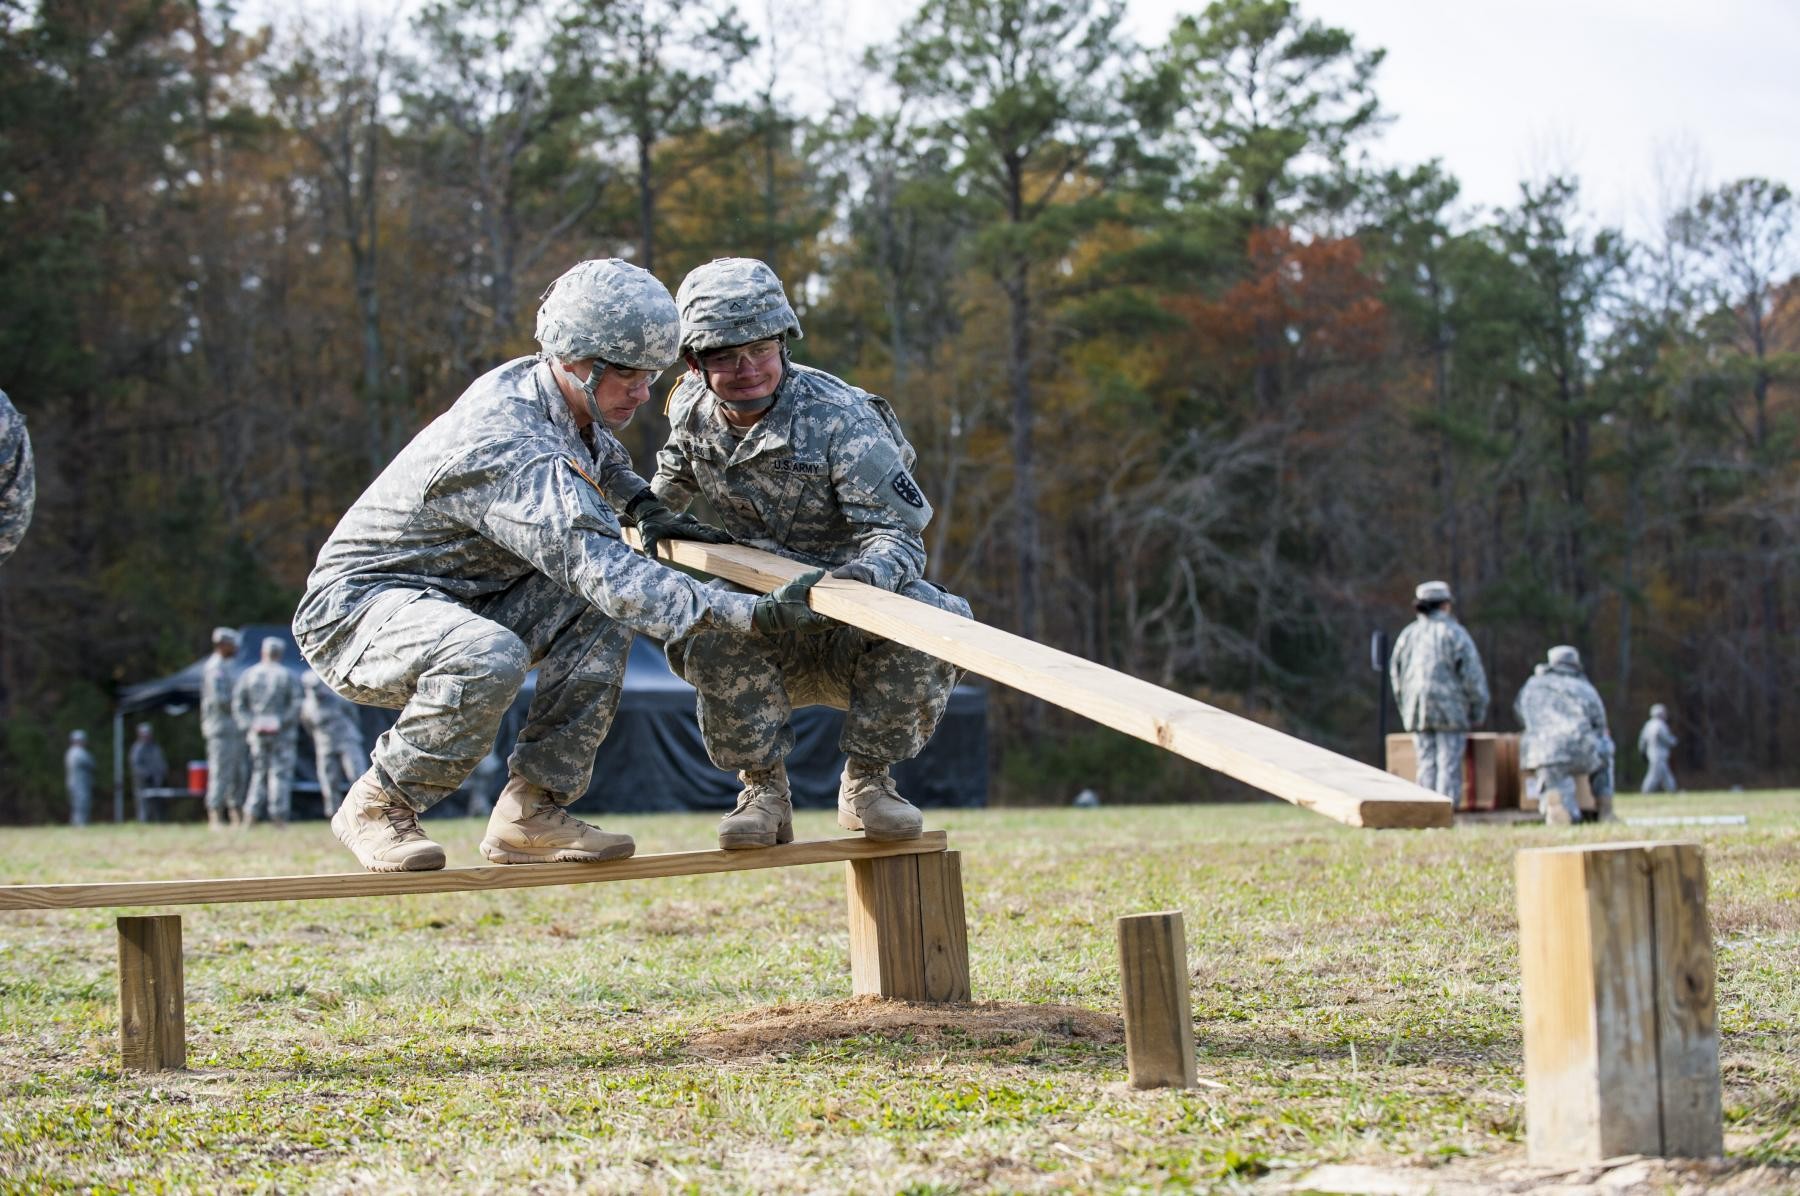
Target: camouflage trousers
(271,792)
(893,697)
(452,670)
(1660,778)
(338,761)
(1440,756)
(1555,786)
(81,804)
(227,771)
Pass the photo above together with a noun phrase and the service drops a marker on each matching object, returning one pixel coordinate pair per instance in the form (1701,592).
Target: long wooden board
(454,880)
(1278,764)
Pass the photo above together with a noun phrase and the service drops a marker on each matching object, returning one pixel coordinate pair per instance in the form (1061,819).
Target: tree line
(1199,391)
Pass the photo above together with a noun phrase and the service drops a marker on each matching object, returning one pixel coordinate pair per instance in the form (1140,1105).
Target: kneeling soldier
(488,547)
(799,463)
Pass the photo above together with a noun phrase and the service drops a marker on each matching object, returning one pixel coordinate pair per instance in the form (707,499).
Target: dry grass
(1355,1002)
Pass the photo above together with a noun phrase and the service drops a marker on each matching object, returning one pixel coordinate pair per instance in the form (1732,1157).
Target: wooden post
(1159,1023)
(908,936)
(152,1014)
(1621,1029)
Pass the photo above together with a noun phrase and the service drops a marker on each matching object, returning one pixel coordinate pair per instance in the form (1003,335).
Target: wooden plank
(1621,1035)
(887,940)
(1159,1022)
(1479,790)
(1278,764)
(1687,1018)
(152,1013)
(1509,786)
(455,880)
(944,926)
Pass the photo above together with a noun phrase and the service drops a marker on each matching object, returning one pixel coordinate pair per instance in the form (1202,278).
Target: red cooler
(196,776)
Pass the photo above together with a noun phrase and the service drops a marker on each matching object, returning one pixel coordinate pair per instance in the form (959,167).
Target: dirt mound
(782,1028)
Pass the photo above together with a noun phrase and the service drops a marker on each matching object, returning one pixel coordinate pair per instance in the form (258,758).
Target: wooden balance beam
(908,932)
(1310,776)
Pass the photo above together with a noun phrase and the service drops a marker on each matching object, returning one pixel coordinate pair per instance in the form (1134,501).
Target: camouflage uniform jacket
(327,716)
(216,680)
(18,478)
(1656,739)
(501,486)
(1564,721)
(1437,676)
(824,477)
(267,691)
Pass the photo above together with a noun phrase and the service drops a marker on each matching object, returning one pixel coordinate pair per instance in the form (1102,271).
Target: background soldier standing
(1565,737)
(798,463)
(266,701)
(18,478)
(1440,688)
(78,775)
(227,755)
(338,753)
(1656,741)
(149,768)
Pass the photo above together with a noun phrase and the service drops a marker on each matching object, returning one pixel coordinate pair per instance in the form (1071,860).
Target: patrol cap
(733,301)
(610,310)
(1432,591)
(1659,711)
(1564,654)
(142,727)
(225,635)
(77,736)
(273,647)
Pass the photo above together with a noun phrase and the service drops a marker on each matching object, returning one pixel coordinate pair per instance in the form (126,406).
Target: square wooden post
(1159,1020)
(152,1003)
(1621,1028)
(908,934)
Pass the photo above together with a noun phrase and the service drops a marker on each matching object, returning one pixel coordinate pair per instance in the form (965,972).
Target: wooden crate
(1491,779)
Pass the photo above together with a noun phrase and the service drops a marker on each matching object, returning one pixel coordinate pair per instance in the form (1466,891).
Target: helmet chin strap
(586,385)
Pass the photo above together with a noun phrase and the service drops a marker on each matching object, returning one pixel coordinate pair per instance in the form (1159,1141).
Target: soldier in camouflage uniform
(18,478)
(338,753)
(266,703)
(1656,741)
(487,547)
(801,464)
(227,754)
(78,776)
(1440,687)
(1565,735)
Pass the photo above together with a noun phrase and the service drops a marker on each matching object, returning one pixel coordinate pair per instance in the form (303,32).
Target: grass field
(1355,999)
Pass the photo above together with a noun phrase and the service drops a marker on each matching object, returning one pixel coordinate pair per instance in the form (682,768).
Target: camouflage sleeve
(1397,663)
(674,482)
(551,513)
(18,478)
(618,477)
(290,711)
(240,700)
(1474,678)
(879,497)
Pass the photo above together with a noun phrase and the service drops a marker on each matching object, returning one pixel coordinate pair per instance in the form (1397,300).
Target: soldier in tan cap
(1440,687)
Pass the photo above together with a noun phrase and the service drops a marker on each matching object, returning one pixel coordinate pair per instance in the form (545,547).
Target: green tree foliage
(1198,392)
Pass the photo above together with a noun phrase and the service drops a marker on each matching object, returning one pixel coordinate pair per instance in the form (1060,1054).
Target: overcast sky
(1504,91)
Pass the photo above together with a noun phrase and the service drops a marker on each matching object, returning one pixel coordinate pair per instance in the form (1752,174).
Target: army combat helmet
(733,301)
(612,312)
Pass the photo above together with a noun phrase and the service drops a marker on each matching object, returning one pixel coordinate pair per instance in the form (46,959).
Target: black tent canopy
(653,757)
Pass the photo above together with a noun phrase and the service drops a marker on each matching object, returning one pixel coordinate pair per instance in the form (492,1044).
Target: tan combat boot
(383,831)
(527,827)
(215,819)
(869,802)
(765,811)
(234,816)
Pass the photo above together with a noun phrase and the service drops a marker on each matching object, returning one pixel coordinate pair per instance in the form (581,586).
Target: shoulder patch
(909,492)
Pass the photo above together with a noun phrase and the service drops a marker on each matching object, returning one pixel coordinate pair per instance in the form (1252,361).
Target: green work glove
(656,522)
(856,571)
(786,609)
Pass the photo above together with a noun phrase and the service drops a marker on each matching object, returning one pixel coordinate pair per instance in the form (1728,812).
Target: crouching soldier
(1565,736)
(488,547)
(798,463)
